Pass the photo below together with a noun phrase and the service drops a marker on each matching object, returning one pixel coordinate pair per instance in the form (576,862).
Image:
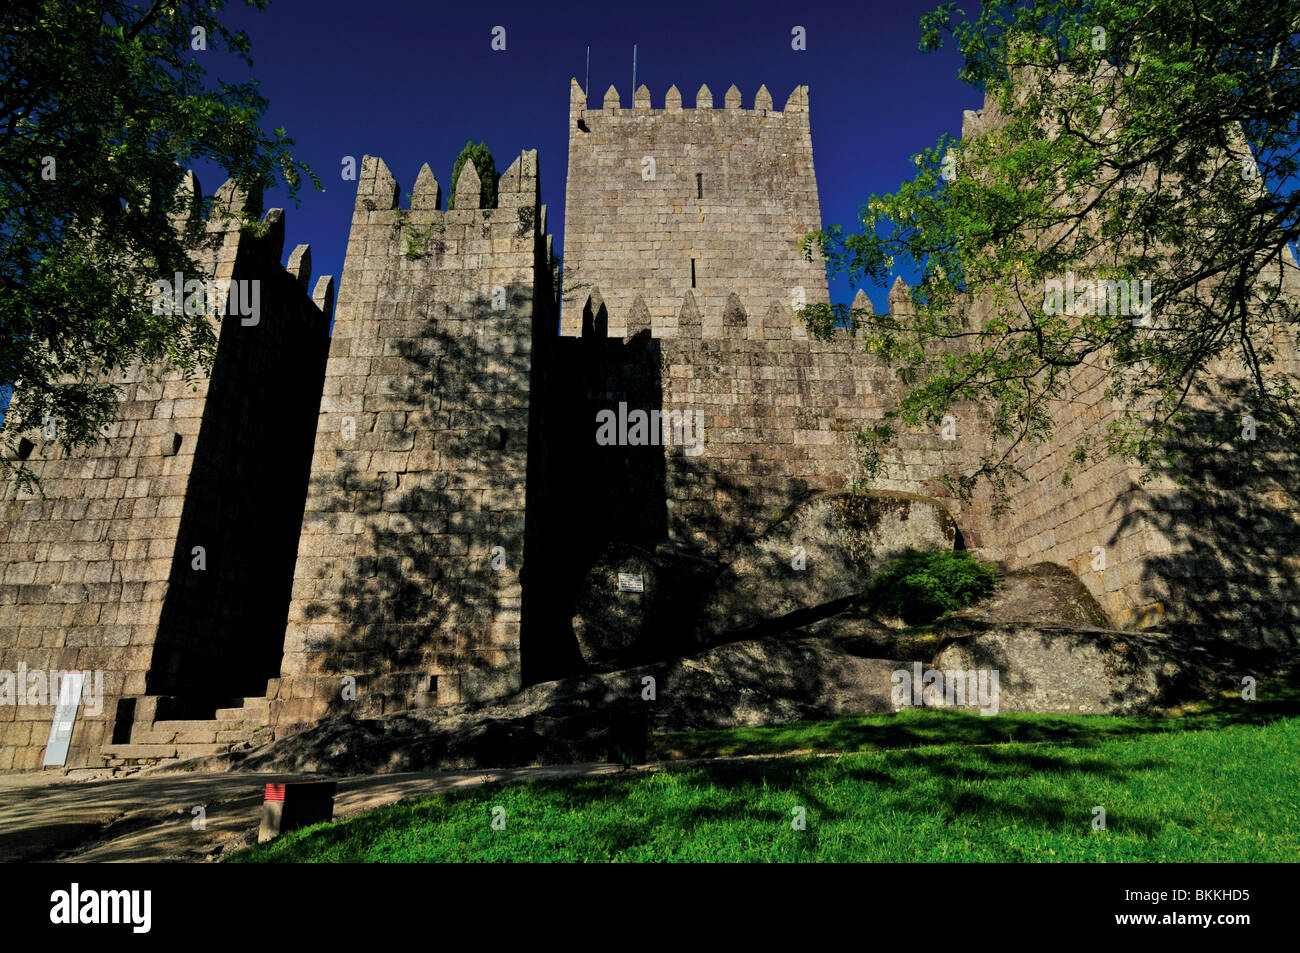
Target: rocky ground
(1040,632)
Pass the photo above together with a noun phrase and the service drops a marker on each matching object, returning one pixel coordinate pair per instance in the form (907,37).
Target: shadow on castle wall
(662,509)
(428,553)
(221,626)
(1232,526)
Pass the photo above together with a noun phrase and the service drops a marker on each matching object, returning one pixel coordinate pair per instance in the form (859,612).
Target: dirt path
(151,818)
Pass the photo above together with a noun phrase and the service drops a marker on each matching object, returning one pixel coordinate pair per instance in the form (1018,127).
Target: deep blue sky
(412,81)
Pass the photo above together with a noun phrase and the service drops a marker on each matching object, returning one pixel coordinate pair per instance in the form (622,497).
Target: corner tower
(660,202)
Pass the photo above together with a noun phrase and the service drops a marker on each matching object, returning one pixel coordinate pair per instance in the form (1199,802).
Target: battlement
(378,193)
(421,452)
(774,322)
(228,244)
(611,106)
(416,501)
(659,202)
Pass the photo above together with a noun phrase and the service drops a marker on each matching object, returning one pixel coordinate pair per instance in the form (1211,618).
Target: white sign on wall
(630,582)
(65,716)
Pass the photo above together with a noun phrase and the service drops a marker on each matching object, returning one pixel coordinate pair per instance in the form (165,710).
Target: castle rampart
(401,515)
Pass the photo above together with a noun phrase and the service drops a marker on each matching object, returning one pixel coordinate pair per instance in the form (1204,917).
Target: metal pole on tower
(586,86)
(634,69)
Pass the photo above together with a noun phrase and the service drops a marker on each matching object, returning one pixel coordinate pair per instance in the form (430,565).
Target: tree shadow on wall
(1234,527)
(431,492)
(681,513)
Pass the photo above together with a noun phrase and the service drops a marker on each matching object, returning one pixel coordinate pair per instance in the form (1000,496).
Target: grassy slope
(1216,785)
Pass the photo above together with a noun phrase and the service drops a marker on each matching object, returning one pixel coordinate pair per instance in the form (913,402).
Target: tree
(103,107)
(1129,143)
(487,174)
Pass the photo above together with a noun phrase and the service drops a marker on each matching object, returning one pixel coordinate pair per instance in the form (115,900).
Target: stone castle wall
(780,414)
(413,537)
(98,574)
(409,504)
(1216,555)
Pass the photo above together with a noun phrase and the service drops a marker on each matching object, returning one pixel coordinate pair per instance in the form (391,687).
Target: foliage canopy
(103,106)
(1126,143)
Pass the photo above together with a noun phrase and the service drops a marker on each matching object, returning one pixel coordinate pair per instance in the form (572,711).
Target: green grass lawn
(913,727)
(1219,783)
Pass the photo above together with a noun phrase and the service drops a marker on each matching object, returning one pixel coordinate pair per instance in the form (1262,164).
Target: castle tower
(711,201)
(160,561)
(408,574)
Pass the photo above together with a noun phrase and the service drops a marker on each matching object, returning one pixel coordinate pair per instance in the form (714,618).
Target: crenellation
(798,101)
(189,194)
(377,190)
(271,244)
(861,305)
(323,297)
(426,194)
(300,266)
(662,201)
(231,199)
(469,189)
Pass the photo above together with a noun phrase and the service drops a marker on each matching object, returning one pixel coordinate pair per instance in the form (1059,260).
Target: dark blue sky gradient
(412,81)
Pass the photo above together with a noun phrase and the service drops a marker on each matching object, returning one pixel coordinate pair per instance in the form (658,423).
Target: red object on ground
(296,804)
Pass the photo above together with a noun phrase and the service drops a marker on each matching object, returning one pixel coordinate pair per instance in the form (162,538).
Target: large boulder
(1055,668)
(614,621)
(1040,592)
(822,550)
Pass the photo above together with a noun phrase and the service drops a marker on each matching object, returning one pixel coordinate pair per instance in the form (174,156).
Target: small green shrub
(487,173)
(919,587)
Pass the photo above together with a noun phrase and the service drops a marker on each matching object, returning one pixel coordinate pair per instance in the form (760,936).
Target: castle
(400,515)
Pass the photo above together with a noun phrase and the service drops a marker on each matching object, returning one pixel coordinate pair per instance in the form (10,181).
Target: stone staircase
(153,741)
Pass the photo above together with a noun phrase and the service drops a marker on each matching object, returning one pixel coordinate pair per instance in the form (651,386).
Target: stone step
(161,752)
(186,725)
(198,751)
(149,735)
(235,736)
(193,732)
(184,732)
(133,752)
(179,739)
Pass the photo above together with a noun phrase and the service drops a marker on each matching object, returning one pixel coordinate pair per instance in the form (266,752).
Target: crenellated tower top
(712,200)
(796,102)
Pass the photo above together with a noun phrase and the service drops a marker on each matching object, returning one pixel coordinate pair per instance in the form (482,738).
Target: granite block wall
(99,571)
(394,517)
(408,569)
(714,201)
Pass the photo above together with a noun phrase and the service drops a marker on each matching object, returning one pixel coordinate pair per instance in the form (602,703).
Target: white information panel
(65,715)
(630,582)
